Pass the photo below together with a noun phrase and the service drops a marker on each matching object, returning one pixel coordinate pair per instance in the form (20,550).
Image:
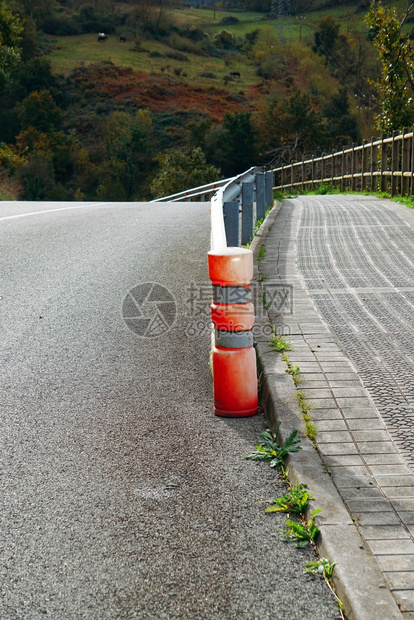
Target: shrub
(177,56)
(230,20)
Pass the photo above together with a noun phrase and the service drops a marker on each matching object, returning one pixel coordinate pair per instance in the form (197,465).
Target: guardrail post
(232,313)
(260,196)
(231,214)
(247,213)
(269,189)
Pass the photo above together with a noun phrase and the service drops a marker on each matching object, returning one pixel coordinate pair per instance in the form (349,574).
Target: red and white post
(232,313)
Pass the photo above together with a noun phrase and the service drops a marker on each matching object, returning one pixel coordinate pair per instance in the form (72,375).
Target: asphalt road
(122,496)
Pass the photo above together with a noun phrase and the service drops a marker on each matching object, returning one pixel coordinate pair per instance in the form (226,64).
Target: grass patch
(83,50)
(73,51)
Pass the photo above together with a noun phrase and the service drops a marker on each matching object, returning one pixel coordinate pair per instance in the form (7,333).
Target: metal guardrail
(236,205)
(195,192)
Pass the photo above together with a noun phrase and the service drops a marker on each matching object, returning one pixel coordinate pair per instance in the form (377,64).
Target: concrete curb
(358,581)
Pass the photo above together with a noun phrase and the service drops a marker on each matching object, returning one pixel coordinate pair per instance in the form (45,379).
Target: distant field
(81,50)
(84,49)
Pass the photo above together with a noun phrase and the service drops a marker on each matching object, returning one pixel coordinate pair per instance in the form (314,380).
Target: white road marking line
(93,204)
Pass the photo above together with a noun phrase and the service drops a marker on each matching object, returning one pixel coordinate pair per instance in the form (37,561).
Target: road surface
(122,496)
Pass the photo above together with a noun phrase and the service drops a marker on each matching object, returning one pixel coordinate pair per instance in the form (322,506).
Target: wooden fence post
(363,164)
(412,164)
(405,162)
(373,165)
(384,163)
(303,176)
(353,168)
(394,164)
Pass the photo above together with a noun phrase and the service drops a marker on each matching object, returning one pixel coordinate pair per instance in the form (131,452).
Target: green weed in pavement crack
(261,254)
(325,568)
(295,501)
(278,343)
(303,532)
(271,451)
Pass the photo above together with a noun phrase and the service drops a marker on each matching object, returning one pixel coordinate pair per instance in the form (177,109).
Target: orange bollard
(232,313)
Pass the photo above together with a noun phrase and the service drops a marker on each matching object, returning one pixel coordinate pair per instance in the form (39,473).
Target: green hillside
(172,86)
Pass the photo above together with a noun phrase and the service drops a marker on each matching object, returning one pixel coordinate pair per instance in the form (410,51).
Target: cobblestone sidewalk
(350,260)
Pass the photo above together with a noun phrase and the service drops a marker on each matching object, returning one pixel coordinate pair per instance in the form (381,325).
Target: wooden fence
(383,165)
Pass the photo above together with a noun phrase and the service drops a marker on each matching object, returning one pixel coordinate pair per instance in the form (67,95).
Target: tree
(342,127)
(36,9)
(10,31)
(128,153)
(40,111)
(325,36)
(396,53)
(181,170)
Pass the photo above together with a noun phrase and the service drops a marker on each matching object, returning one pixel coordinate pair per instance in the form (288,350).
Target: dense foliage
(112,133)
(396,53)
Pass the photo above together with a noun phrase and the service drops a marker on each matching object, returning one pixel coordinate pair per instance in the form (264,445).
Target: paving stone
(403,504)
(337,367)
(313,384)
(407,517)
(361,492)
(311,367)
(370,435)
(377,518)
(400,580)
(359,412)
(343,459)
(391,547)
(396,470)
(397,563)
(365,424)
(405,599)
(341,383)
(350,392)
(384,532)
(323,403)
(342,376)
(334,437)
(359,403)
(352,471)
(384,459)
(395,481)
(354,482)
(326,414)
(399,492)
(368,505)
(314,376)
(313,393)
(330,425)
(376,447)
(336,449)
